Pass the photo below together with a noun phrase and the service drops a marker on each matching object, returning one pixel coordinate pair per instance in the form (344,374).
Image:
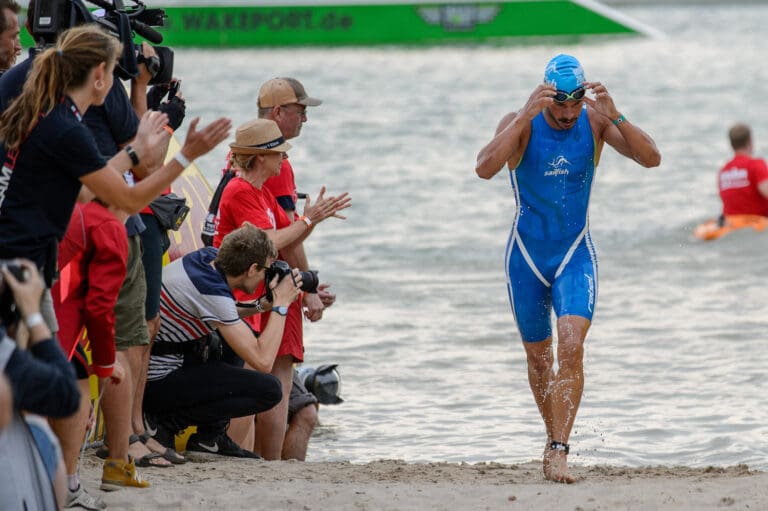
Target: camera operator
(114,125)
(60,152)
(197,301)
(42,382)
(10,44)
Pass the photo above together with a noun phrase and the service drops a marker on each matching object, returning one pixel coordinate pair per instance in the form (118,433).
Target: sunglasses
(575,95)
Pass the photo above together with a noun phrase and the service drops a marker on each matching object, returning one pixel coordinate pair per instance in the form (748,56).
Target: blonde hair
(242,161)
(55,70)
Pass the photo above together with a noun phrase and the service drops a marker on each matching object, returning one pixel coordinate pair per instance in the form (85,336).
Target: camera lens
(309,281)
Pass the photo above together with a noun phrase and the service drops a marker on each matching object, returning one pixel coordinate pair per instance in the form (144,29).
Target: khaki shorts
(130,324)
(300,396)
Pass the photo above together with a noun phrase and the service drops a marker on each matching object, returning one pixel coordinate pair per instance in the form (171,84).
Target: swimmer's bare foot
(556,463)
(547,462)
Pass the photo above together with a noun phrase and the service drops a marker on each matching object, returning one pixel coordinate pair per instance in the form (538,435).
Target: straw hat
(259,136)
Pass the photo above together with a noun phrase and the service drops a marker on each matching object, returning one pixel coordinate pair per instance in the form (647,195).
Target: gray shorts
(300,396)
(48,312)
(130,323)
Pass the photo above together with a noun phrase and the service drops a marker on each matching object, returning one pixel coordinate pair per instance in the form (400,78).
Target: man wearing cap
(552,146)
(285,101)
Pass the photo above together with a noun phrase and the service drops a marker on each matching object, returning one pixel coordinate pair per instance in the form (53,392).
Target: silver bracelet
(183,161)
(33,320)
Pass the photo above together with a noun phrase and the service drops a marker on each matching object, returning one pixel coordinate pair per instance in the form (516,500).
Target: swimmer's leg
(530,297)
(573,294)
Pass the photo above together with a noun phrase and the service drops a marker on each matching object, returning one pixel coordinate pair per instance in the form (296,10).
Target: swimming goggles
(575,95)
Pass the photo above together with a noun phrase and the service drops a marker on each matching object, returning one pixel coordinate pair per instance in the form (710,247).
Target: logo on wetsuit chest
(557,167)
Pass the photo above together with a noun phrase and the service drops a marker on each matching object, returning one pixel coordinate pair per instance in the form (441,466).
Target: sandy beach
(213,483)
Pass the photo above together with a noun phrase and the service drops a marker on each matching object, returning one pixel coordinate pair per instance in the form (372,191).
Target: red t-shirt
(92,267)
(241,202)
(284,184)
(738,182)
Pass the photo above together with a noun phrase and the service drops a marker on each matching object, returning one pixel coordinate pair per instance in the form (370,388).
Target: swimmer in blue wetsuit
(552,147)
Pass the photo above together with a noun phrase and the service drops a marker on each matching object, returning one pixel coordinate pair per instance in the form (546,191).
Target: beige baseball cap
(259,136)
(284,91)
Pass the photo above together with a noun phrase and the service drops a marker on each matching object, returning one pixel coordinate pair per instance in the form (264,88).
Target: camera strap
(209,226)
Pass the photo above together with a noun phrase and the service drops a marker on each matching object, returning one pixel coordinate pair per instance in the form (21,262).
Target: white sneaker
(83,499)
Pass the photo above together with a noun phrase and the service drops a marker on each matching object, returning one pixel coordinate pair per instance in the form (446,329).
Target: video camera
(51,17)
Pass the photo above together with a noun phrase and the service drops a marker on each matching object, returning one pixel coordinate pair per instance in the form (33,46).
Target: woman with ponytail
(49,153)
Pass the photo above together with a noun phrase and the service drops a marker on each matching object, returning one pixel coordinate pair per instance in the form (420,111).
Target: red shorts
(293,334)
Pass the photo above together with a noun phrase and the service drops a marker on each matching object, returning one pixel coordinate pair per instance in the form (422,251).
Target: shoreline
(216,483)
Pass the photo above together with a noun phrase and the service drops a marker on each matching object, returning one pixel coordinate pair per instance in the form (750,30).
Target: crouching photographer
(197,300)
(42,382)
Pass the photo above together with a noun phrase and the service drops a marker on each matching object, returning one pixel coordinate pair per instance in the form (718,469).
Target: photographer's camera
(8,312)
(279,269)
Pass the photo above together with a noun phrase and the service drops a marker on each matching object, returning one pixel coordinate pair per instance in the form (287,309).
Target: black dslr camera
(8,312)
(309,279)
(51,17)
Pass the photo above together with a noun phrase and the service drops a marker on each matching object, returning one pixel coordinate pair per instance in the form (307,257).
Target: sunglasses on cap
(575,95)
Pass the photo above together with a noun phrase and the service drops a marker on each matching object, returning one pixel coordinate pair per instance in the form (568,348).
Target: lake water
(431,362)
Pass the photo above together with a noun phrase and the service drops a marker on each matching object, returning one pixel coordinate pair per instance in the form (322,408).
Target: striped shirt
(194,297)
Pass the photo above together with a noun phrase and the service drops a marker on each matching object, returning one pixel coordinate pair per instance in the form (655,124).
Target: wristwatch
(280,309)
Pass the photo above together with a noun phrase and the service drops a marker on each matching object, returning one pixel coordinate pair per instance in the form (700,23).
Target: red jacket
(92,267)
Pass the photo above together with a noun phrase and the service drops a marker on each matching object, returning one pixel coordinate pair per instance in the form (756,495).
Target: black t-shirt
(113,124)
(40,181)
(13,80)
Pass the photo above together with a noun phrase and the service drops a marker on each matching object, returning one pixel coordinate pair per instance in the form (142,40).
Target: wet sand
(215,483)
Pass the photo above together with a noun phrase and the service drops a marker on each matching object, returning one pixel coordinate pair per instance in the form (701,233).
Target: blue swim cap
(565,73)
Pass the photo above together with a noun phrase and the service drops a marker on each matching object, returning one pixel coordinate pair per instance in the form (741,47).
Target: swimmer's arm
(512,134)
(632,142)
(625,137)
(507,146)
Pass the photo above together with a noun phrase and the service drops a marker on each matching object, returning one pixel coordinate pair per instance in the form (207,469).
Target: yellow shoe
(118,474)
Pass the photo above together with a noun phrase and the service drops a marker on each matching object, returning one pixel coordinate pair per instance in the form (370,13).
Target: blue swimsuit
(550,259)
